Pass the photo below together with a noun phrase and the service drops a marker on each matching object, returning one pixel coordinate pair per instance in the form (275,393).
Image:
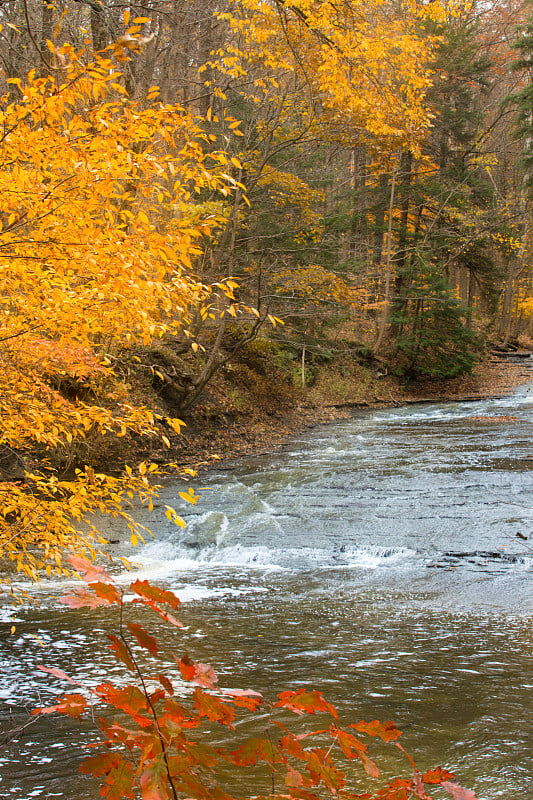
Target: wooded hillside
(250,191)
(219,204)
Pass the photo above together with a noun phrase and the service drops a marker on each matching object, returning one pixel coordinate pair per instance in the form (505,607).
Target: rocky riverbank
(220,431)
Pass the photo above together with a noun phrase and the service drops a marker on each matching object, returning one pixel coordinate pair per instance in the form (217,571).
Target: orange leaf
(302,794)
(176,713)
(196,672)
(83,598)
(119,782)
(165,683)
(304,702)
(245,698)
(192,787)
(129,698)
(292,746)
(213,708)
(72,704)
(370,768)
(386,730)
(398,789)
(323,771)
(187,667)
(90,572)
(121,652)
(437,775)
(163,614)
(143,637)
(106,591)
(149,592)
(254,750)
(154,780)
(293,778)
(350,746)
(100,765)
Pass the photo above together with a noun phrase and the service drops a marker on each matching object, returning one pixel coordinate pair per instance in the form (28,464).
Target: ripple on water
(377,557)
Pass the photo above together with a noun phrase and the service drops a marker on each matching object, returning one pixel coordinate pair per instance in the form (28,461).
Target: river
(375,559)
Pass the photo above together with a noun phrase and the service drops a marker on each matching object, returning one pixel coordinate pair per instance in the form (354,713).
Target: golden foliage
(101,217)
(366,63)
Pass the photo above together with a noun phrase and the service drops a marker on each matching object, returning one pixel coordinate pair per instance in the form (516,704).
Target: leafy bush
(157,736)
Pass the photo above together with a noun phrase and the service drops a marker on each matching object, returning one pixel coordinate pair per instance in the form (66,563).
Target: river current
(375,559)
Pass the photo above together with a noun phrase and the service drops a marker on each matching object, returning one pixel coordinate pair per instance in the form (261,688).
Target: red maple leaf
(121,652)
(91,572)
(305,702)
(149,592)
(72,704)
(83,598)
(385,730)
(143,637)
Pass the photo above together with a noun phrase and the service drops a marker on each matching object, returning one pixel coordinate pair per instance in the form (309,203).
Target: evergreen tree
(522,99)
(443,217)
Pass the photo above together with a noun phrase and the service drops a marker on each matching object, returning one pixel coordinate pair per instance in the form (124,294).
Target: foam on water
(523,396)
(261,557)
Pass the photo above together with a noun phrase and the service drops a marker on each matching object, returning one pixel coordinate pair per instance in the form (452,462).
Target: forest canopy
(196,175)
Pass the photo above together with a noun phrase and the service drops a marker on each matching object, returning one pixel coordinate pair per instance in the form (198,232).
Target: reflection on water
(375,559)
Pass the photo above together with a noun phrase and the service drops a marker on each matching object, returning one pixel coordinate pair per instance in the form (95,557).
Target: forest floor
(258,416)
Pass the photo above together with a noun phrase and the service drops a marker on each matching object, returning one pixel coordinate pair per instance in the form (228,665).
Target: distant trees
(333,100)
(361,146)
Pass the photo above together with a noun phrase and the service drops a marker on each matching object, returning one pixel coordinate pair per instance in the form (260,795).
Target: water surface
(375,559)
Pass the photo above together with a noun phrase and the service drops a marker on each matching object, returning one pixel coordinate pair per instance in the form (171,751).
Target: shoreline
(222,439)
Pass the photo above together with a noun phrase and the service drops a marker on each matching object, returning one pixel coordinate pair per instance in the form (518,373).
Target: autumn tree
(104,206)
(310,84)
(445,216)
(518,276)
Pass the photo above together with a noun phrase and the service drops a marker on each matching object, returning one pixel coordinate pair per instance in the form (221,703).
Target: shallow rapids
(376,559)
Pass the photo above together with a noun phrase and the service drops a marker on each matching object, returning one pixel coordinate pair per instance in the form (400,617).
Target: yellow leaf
(189,496)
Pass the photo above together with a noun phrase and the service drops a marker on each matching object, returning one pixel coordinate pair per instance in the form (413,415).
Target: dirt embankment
(238,421)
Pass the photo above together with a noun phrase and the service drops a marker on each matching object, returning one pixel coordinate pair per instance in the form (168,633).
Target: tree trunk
(379,213)
(383,322)
(47,20)
(98,27)
(358,217)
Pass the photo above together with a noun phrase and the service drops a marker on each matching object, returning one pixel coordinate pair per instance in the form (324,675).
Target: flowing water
(375,559)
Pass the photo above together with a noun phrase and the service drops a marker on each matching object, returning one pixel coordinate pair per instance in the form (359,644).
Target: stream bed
(375,559)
